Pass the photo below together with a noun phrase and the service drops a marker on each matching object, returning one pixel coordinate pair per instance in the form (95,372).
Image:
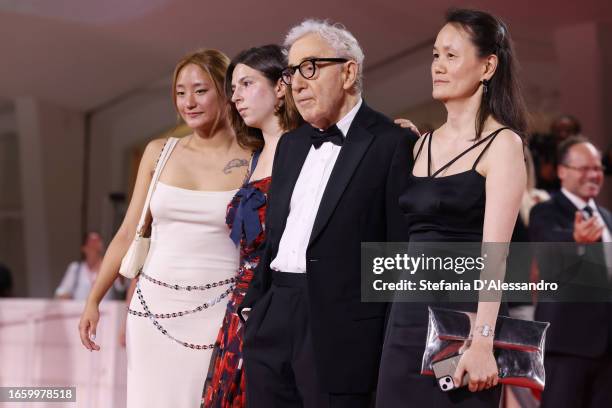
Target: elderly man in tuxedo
(309,340)
(579,341)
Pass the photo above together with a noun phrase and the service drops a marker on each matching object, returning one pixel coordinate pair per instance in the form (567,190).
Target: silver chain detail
(189,287)
(203,306)
(154,316)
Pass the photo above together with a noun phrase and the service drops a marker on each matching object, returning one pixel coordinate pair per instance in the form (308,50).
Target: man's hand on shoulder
(407,124)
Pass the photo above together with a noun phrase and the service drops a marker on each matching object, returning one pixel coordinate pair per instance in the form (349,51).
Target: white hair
(337,36)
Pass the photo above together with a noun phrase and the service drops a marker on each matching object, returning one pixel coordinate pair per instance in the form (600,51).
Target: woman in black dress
(466,186)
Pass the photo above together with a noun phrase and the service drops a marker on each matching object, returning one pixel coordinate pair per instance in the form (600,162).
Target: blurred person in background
(544,150)
(81,275)
(520,263)
(522,268)
(578,358)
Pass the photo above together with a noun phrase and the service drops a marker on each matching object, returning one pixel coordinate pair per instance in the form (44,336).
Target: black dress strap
(421,146)
(429,155)
(491,137)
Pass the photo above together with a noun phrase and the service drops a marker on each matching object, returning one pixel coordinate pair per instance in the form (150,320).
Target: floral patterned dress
(246,213)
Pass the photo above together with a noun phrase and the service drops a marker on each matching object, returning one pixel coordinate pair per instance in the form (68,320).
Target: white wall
(115,132)
(51,162)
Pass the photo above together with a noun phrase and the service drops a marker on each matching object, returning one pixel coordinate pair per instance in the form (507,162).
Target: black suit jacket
(359,204)
(578,329)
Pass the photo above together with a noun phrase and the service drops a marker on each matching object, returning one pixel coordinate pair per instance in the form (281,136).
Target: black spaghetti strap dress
(437,209)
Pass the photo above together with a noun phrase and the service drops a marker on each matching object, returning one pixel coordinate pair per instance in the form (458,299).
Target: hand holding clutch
(479,364)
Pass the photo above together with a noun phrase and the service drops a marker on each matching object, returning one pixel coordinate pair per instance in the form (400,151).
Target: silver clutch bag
(518,345)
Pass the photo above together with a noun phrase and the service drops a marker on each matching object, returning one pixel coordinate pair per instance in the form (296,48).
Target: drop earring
(485,86)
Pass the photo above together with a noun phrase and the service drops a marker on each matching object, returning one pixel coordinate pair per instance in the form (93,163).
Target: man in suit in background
(579,341)
(309,341)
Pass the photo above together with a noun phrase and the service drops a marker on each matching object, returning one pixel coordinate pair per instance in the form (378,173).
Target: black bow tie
(588,210)
(331,134)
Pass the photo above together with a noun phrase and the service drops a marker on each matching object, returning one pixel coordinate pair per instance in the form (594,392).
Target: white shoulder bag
(134,259)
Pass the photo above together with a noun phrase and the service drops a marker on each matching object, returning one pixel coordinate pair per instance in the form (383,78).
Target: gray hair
(337,36)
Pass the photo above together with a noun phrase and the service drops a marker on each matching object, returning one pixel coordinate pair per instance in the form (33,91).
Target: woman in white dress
(192,259)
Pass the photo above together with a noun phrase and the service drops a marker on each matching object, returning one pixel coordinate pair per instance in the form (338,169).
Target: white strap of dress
(161,162)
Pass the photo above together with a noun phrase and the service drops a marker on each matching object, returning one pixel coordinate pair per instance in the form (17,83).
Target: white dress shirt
(305,201)
(606,237)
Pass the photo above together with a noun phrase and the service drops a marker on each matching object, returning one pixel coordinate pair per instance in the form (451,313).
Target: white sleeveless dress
(190,246)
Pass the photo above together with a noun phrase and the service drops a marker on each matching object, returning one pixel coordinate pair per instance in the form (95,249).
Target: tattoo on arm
(234,163)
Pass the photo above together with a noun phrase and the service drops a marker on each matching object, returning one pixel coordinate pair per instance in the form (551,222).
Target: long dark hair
(503,100)
(270,60)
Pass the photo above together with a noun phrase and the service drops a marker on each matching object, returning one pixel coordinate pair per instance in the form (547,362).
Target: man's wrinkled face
(318,99)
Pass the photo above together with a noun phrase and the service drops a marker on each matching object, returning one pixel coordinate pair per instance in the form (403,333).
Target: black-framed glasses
(307,68)
(585,169)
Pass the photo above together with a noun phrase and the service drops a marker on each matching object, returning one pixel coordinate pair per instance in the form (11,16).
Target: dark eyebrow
(242,79)
(239,80)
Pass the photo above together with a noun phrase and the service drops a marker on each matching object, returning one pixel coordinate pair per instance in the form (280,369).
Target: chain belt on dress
(154,316)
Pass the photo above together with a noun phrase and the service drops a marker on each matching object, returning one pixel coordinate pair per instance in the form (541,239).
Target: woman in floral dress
(261,112)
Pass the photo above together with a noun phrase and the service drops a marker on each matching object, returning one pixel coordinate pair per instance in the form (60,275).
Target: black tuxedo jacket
(578,329)
(359,204)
